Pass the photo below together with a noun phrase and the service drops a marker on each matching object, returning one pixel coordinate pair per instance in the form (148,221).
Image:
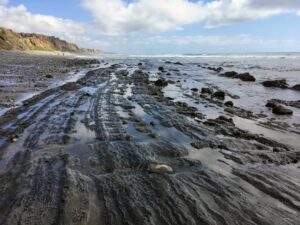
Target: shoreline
(33,72)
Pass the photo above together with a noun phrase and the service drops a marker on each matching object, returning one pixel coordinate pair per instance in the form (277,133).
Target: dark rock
(162,69)
(271,103)
(161,83)
(226,119)
(115,66)
(219,69)
(219,95)
(229,104)
(280,110)
(49,76)
(122,73)
(276,83)
(140,64)
(231,74)
(152,123)
(247,77)
(178,63)
(241,76)
(194,89)
(296,87)
(206,91)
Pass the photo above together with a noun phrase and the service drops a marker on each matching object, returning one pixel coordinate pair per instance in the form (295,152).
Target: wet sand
(23,74)
(131,143)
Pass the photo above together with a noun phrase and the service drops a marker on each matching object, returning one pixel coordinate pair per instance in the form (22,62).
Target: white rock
(161,169)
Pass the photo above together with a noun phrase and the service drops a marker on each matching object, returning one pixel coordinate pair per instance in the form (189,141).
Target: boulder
(206,91)
(271,103)
(161,83)
(231,74)
(280,110)
(247,77)
(241,76)
(226,119)
(194,89)
(161,169)
(229,104)
(162,69)
(296,87)
(276,83)
(219,95)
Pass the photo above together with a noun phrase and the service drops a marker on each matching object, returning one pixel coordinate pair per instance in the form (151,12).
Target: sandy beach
(27,73)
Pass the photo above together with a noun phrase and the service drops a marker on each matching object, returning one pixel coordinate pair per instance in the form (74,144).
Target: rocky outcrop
(296,87)
(277,108)
(10,40)
(276,83)
(241,76)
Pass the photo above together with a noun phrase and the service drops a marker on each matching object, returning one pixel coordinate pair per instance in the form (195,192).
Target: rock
(162,69)
(219,95)
(280,110)
(231,74)
(247,77)
(296,87)
(219,69)
(140,64)
(122,73)
(116,66)
(194,89)
(226,119)
(49,76)
(87,94)
(271,103)
(178,63)
(161,169)
(14,138)
(206,91)
(161,83)
(152,123)
(277,149)
(229,104)
(241,76)
(276,83)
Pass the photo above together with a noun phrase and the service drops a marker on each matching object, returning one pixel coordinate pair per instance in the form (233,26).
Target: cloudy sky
(162,26)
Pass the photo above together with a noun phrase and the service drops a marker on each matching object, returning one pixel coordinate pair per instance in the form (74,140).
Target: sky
(162,26)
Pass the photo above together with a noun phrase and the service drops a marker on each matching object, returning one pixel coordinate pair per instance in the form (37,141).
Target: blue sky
(162,26)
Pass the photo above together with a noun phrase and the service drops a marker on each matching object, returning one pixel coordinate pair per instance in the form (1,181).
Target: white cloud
(118,17)
(20,19)
(3,2)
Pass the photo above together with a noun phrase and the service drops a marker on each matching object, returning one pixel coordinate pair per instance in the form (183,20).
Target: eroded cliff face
(10,40)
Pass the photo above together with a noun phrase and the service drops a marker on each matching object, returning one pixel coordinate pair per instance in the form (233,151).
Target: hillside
(10,40)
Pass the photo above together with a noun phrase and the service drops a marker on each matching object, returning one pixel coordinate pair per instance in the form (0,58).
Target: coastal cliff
(10,40)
